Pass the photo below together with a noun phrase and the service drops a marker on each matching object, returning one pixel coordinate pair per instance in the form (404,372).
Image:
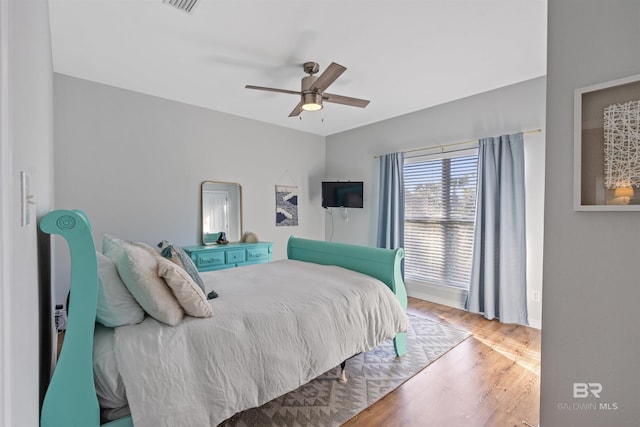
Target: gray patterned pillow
(180,257)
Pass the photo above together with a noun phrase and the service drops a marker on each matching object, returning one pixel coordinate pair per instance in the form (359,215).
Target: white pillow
(185,289)
(112,247)
(137,265)
(116,305)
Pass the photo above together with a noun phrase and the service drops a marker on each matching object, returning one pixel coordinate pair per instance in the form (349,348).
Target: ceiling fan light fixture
(311,101)
(312,89)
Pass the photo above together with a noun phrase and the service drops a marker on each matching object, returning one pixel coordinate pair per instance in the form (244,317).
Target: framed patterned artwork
(607,146)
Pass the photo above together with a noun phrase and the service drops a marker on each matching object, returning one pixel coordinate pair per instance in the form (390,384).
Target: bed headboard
(383,264)
(71,398)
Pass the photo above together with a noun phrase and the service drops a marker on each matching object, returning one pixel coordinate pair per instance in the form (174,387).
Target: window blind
(440,202)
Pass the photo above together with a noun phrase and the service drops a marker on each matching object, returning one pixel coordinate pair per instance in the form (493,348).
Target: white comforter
(275,327)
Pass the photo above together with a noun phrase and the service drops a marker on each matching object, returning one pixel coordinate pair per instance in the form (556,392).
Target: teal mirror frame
(221,211)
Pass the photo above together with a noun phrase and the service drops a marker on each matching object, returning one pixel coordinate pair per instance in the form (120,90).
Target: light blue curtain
(391,204)
(498,275)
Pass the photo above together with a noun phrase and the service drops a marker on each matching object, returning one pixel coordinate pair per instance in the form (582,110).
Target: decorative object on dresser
(249,237)
(217,257)
(222,239)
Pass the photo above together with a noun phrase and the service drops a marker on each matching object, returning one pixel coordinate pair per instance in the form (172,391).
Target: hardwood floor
(491,379)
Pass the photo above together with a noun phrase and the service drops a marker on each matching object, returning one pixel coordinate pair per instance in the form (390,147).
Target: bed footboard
(383,264)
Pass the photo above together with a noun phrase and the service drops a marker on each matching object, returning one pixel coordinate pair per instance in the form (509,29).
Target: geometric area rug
(324,402)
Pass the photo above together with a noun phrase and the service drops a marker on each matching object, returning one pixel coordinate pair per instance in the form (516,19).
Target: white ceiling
(402,55)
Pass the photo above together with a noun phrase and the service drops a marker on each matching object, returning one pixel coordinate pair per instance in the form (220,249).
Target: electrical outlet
(536,296)
(60,317)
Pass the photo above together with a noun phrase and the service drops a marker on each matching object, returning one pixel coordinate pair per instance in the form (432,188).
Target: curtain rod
(443,146)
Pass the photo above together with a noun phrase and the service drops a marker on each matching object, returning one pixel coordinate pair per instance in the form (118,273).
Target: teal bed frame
(71,401)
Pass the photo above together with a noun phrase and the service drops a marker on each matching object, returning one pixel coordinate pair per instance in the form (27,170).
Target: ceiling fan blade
(296,111)
(271,89)
(339,99)
(329,76)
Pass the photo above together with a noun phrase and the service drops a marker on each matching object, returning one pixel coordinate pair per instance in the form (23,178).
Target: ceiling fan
(312,93)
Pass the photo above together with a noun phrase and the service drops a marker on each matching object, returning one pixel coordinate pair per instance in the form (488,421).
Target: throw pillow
(177,255)
(187,292)
(116,306)
(137,265)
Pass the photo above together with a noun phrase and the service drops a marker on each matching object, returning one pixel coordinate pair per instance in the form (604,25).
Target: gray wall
(520,107)
(590,275)
(135,162)
(25,145)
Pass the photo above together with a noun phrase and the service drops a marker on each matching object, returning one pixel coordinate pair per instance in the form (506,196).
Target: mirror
(221,211)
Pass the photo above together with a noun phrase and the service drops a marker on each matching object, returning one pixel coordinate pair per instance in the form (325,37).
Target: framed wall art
(607,146)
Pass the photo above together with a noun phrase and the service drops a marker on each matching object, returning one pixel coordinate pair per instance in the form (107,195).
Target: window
(440,203)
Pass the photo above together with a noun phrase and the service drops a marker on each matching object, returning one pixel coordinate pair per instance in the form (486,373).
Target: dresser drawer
(235,256)
(258,254)
(217,257)
(209,259)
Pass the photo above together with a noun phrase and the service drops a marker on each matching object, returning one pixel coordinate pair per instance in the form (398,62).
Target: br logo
(584,390)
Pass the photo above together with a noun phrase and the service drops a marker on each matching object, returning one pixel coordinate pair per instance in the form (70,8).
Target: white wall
(25,145)
(135,162)
(520,107)
(591,283)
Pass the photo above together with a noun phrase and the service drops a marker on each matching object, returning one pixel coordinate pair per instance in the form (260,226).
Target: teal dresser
(217,257)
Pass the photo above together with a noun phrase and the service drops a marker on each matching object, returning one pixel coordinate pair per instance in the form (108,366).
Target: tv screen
(338,194)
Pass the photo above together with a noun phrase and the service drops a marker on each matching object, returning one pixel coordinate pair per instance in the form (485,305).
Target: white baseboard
(445,295)
(535,323)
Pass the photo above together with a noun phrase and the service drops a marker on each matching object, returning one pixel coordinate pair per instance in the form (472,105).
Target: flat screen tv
(342,194)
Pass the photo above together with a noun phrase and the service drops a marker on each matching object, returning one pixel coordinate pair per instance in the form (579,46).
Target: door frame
(6,211)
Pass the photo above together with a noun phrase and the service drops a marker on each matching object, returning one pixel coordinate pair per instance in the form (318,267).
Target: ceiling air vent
(184,5)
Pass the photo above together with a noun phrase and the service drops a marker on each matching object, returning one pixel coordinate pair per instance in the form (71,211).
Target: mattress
(275,327)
